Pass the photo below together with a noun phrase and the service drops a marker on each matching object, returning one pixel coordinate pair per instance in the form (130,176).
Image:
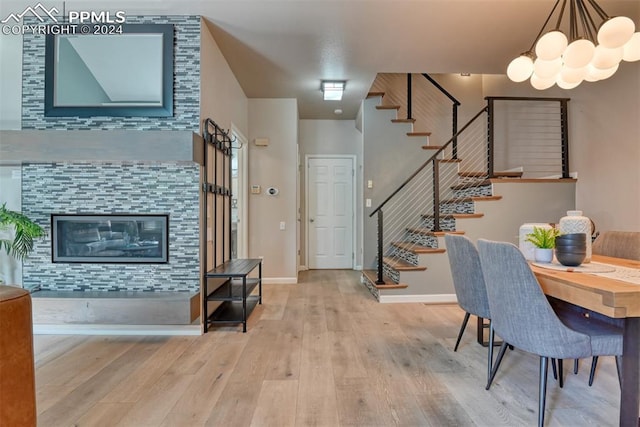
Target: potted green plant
(25,232)
(544,239)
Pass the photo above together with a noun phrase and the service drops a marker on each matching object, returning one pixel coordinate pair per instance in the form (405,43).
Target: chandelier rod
(600,11)
(546,22)
(586,19)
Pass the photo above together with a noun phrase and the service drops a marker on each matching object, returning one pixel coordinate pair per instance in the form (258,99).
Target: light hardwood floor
(319,353)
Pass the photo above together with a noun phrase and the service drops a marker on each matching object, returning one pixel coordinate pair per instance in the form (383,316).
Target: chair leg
(542,389)
(594,363)
(496,365)
(618,364)
(462,327)
(560,374)
(490,350)
(553,369)
(575,366)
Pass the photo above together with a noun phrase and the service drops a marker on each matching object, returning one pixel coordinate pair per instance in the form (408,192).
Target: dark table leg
(629,398)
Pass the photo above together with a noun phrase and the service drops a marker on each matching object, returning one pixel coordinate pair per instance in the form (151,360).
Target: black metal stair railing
(481,150)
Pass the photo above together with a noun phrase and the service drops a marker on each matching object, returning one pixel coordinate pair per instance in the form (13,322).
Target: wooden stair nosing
(387,107)
(482,183)
(401,265)
(372,275)
(417,249)
(418,133)
(374,94)
(449,160)
(498,174)
(471,199)
(455,216)
(403,120)
(431,147)
(427,232)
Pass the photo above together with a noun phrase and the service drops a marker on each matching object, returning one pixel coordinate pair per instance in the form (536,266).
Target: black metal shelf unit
(236,293)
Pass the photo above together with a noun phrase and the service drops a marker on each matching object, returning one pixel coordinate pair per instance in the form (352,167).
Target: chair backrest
(619,244)
(467,275)
(520,312)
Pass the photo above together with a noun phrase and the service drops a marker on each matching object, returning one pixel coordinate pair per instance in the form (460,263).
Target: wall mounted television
(126,74)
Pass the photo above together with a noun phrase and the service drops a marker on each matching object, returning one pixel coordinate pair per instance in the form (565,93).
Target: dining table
(616,296)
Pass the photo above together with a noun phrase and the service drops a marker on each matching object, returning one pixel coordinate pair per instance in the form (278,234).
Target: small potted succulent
(544,239)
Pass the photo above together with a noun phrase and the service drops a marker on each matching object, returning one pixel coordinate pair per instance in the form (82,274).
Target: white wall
(604,143)
(331,137)
(11,194)
(274,166)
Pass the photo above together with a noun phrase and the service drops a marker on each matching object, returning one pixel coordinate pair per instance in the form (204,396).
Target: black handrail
(441,89)
(440,150)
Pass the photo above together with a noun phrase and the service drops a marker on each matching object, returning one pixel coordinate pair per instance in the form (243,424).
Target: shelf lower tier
(230,312)
(231,290)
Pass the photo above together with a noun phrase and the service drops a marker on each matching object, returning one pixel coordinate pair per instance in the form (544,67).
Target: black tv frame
(165,110)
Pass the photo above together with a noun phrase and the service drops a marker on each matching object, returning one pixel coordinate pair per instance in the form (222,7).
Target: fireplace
(119,238)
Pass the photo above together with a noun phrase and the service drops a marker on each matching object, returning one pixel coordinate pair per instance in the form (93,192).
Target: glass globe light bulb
(545,69)
(631,49)
(572,75)
(520,69)
(604,74)
(551,45)
(592,74)
(566,85)
(605,58)
(542,83)
(615,32)
(579,53)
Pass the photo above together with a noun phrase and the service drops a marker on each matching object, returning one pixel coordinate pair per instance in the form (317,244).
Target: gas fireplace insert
(118,238)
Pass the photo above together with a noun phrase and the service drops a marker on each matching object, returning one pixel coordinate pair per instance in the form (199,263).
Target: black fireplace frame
(163,258)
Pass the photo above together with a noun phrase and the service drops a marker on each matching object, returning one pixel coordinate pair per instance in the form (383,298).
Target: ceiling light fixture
(590,53)
(332,90)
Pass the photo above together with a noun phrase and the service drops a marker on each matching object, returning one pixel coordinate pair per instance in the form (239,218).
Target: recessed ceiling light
(337,111)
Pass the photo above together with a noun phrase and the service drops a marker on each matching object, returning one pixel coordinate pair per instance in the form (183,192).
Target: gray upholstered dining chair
(523,317)
(469,286)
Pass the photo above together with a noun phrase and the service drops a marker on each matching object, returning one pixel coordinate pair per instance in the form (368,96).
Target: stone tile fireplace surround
(140,172)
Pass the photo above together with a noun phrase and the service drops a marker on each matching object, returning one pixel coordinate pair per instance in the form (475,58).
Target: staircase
(414,263)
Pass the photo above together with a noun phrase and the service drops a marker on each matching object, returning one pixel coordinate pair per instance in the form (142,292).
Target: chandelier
(590,52)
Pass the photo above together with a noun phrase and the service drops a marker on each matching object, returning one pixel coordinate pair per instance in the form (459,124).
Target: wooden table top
(611,297)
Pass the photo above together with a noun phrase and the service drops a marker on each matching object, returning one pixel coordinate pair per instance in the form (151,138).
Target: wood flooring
(322,352)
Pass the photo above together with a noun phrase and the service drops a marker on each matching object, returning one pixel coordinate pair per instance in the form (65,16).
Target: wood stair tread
(482,183)
(471,199)
(417,249)
(401,265)
(403,120)
(455,216)
(449,160)
(374,94)
(418,133)
(431,147)
(387,107)
(372,275)
(496,174)
(427,232)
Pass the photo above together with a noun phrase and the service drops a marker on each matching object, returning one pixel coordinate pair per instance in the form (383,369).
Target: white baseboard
(428,299)
(279,280)
(102,329)
(303,268)
(358,268)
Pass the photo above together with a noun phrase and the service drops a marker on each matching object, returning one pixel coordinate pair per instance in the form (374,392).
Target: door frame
(243,179)
(354,187)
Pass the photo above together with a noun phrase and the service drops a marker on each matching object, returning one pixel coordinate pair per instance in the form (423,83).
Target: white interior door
(330,212)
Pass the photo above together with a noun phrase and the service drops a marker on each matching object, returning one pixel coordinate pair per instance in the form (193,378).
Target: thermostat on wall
(272,191)
(255,189)
(261,142)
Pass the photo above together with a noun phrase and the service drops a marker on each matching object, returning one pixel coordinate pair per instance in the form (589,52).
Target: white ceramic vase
(575,222)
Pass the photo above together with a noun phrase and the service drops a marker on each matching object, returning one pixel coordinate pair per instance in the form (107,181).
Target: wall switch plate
(370,183)
(282,225)
(368,203)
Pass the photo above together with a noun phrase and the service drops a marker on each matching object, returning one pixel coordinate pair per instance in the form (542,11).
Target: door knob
(311,220)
